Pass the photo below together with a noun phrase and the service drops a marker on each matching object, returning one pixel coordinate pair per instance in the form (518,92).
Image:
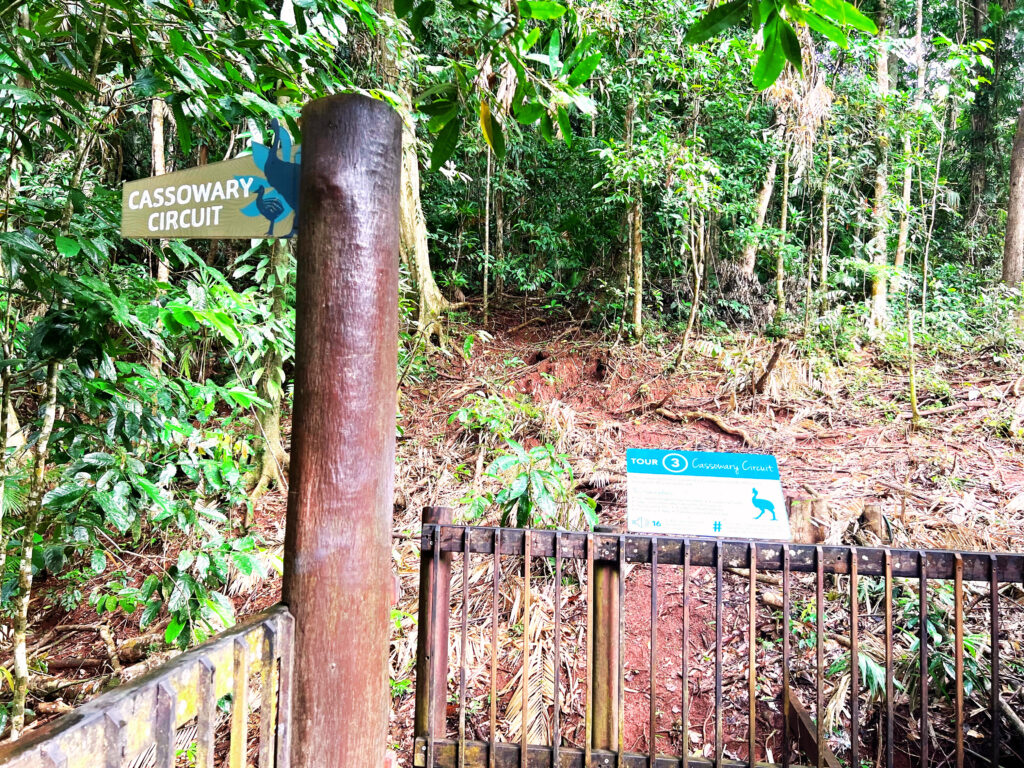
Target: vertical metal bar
(606,665)
(239,705)
(993,587)
(685,670)
(653,740)
(718,654)
(854,663)
(463,646)
(164,722)
(819,643)
(268,697)
(958,653)
(752,661)
(496,578)
(206,715)
(923,649)
(556,725)
(622,651)
(786,693)
(112,746)
(889,719)
(523,757)
(589,724)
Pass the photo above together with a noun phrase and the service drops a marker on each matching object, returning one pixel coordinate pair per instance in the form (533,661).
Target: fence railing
(210,704)
(560,664)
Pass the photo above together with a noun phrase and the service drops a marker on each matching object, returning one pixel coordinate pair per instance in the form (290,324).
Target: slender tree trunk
(880,211)
(33,516)
(635,220)
(487,234)
(908,170)
(1013,247)
(931,227)
(499,237)
(780,257)
(749,258)
(157,122)
(823,277)
(269,387)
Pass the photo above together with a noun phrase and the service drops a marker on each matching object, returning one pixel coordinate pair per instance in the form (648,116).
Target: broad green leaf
(772,59)
(445,143)
(826,28)
(584,70)
(717,20)
(540,9)
(844,14)
(98,561)
(173,630)
(423,10)
(564,126)
(790,46)
(554,49)
(67,247)
(402,8)
(529,113)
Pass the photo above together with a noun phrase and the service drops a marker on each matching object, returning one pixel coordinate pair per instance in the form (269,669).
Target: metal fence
(199,708)
(887,600)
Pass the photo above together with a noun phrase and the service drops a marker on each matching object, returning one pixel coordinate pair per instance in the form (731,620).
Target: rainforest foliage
(832,173)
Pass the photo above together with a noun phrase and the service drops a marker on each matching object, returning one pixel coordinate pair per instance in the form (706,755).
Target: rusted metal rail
(247,669)
(821,587)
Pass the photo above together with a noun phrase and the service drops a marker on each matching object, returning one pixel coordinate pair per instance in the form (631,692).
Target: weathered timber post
(338,581)
(605,666)
(432,631)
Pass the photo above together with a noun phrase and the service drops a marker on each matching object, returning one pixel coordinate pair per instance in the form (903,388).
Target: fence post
(605,664)
(432,632)
(337,566)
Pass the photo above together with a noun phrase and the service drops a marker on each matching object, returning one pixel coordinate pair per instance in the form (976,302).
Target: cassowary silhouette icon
(763,505)
(279,163)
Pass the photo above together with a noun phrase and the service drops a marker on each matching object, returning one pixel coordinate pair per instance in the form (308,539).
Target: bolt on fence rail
(561,694)
(201,703)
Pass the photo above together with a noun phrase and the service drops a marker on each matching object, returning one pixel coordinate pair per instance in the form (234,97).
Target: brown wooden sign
(249,197)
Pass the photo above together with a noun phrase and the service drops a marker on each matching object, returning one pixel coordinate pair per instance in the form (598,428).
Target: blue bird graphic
(764,505)
(280,165)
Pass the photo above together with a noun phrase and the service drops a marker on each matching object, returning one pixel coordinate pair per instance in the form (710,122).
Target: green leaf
(844,14)
(402,8)
(564,126)
(445,143)
(67,247)
(98,561)
(529,113)
(790,46)
(173,630)
(772,59)
(423,10)
(584,70)
(540,9)
(827,28)
(717,20)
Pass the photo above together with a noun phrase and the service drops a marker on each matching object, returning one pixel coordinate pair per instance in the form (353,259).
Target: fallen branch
(696,415)
(758,386)
(1010,715)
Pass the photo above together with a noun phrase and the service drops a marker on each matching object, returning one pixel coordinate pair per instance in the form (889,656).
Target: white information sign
(691,493)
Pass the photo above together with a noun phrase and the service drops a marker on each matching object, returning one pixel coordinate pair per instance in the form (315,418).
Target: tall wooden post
(337,569)
(432,634)
(605,665)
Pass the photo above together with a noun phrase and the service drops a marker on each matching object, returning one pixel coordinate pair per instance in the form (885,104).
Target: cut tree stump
(806,520)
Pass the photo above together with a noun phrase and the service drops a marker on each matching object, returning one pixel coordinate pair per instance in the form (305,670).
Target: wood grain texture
(337,577)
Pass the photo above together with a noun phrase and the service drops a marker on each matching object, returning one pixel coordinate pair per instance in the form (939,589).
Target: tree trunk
(487,233)
(635,232)
(880,212)
(33,515)
(157,121)
(749,259)
(499,237)
(1013,247)
(908,170)
(780,257)
(274,458)
(823,277)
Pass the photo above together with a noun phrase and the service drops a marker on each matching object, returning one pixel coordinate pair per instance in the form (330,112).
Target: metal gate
(774,712)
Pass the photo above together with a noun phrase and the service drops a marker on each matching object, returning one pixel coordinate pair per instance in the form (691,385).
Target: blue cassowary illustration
(763,505)
(280,166)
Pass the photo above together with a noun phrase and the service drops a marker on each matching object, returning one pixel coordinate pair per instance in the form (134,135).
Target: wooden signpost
(255,196)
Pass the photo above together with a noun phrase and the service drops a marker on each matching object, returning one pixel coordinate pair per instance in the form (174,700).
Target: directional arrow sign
(254,196)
